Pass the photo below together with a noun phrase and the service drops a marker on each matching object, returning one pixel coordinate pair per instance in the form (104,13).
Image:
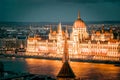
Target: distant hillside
(69,23)
(103,22)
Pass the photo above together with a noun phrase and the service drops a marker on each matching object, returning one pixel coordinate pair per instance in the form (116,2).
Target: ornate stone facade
(100,43)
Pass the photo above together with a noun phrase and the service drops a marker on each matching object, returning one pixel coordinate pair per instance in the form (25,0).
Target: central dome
(79,23)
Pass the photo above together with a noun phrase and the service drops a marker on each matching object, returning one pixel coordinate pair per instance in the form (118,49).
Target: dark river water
(91,71)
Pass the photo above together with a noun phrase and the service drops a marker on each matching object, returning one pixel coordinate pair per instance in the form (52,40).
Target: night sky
(59,10)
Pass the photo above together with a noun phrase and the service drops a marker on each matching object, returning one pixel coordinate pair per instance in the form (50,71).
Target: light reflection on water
(51,67)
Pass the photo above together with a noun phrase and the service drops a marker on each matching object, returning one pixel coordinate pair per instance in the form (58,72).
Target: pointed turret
(102,29)
(50,29)
(66,32)
(59,33)
(66,72)
(59,28)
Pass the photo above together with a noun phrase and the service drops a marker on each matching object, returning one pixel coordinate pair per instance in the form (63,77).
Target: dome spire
(79,14)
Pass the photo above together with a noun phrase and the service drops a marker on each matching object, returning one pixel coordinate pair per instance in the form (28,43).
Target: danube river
(90,71)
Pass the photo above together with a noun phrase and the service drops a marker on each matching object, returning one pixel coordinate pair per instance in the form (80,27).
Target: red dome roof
(79,23)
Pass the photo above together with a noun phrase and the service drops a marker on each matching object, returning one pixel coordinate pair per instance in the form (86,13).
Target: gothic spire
(59,28)
(102,29)
(66,32)
(50,29)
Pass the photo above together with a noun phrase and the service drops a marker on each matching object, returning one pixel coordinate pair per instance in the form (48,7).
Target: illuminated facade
(36,46)
(102,35)
(100,43)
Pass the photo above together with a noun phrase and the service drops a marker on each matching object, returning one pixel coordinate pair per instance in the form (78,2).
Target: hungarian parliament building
(100,44)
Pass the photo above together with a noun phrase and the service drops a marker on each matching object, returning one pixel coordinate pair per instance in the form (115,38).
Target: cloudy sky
(59,10)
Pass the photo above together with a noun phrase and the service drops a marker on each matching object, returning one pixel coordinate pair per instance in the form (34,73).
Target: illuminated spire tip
(78,14)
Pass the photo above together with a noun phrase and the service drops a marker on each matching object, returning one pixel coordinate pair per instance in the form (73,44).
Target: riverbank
(59,58)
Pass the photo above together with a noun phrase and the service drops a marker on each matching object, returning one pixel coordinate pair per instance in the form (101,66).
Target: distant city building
(100,45)
(8,43)
(21,41)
